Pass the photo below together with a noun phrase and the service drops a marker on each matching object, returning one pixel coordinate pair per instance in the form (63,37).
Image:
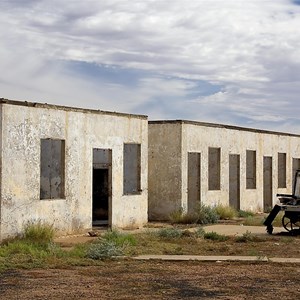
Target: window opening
(52,171)
(281,170)
(132,169)
(214,168)
(250,169)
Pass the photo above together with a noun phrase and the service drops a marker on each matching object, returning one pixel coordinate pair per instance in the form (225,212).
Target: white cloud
(250,48)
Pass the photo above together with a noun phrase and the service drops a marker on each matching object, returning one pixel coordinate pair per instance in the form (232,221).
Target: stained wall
(24,125)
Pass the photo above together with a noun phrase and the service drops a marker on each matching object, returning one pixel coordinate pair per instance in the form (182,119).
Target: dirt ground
(128,279)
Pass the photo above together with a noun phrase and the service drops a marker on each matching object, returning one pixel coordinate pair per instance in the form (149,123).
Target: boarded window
(250,169)
(281,170)
(52,169)
(132,169)
(214,168)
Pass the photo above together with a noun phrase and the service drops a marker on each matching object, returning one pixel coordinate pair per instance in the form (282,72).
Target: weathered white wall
(197,137)
(23,128)
(164,169)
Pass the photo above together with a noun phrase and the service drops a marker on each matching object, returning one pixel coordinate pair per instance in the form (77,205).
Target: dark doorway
(100,195)
(234,181)
(268,183)
(101,187)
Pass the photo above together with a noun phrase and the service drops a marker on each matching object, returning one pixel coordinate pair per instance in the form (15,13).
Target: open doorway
(234,181)
(268,183)
(101,207)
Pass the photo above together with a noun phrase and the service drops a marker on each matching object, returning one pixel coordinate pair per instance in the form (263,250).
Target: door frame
(107,165)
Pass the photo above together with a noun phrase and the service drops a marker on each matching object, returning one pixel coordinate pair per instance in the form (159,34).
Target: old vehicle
(290,204)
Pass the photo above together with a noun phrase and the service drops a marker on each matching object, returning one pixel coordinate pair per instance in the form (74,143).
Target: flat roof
(68,108)
(205,124)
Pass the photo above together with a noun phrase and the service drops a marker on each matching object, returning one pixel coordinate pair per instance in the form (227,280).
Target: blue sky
(232,61)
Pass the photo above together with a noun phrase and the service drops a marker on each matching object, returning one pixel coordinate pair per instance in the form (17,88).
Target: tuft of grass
(38,232)
(180,217)
(245,213)
(226,212)
(202,215)
(215,236)
(254,221)
(169,233)
(119,238)
(246,237)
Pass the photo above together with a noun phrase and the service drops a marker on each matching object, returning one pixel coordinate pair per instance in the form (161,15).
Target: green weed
(200,232)
(226,212)
(119,238)
(111,244)
(169,233)
(180,217)
(215,236)
(246,237)
(104,249)
(38,232)
(254,221)
(245,213)
(207,215)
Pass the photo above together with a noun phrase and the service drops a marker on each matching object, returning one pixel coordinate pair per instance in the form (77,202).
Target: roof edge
(68,108)
(216,125)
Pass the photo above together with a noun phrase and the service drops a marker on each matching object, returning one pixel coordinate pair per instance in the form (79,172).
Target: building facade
(193,163)
(71,168)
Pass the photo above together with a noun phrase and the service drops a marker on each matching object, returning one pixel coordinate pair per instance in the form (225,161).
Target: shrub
(207,215)
(38,232)
(169,233)
(245,213)
(200,232)
(226,212)
(103,250)
(215,236)
(111,244)
(246,237)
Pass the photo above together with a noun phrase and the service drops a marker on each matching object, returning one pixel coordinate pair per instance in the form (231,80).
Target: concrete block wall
(23,125)
(186,137)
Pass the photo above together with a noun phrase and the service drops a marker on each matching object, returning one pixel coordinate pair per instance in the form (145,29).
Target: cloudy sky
(223,61)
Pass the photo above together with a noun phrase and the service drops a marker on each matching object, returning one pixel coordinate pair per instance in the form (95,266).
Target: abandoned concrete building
(57,163)
(193,163)
(75,168)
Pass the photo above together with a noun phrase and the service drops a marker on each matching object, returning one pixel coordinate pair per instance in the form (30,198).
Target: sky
(233,62)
